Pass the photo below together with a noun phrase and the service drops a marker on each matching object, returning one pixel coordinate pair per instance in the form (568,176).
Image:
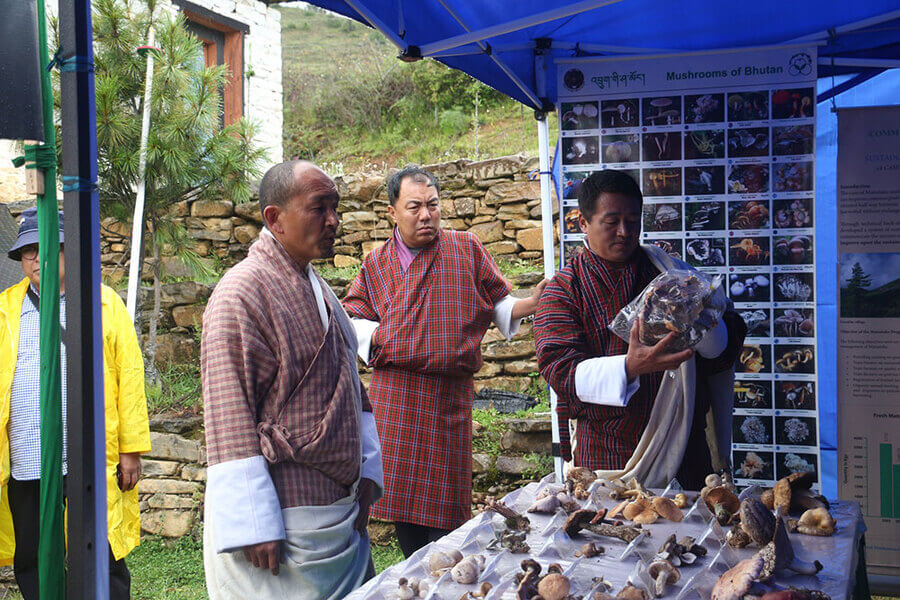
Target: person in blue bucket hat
(27,240)
(127,425)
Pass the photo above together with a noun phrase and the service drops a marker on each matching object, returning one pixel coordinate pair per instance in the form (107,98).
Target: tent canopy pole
(377,23)
(88,556)
(541,57)
(514,25)
(509,73)
(549,261)
(849,27)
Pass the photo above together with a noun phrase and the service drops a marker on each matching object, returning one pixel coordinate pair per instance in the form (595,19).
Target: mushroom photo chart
(723,147)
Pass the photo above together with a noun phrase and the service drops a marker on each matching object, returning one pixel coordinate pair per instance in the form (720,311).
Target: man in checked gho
(295,462)
(421,305)
(632,418)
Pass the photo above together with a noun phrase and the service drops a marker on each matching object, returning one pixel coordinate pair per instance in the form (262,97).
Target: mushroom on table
(778,555)
(757,521)
(738,580)
(723,503)
(582,520)
(663,573)
(816,521)
(632,592)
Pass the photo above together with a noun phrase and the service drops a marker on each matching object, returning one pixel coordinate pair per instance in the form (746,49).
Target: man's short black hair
(414,172)
(277,186)
(609,181)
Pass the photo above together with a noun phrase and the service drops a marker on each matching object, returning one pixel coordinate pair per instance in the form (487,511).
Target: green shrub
(453,121)
(178,389)
(541,465)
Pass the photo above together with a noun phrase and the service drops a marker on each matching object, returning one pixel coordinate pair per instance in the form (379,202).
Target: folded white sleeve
(242,505)
(365,330)
(714,342)
(602,380)
(503,316)
(371,451)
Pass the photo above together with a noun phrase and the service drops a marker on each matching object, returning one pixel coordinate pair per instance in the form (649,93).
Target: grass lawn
(170,569)
(173,569)
(167,569)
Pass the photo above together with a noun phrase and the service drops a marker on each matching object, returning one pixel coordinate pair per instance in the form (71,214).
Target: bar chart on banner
(874,477)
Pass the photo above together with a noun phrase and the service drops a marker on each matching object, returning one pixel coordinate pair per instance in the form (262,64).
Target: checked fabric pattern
(570,326)
(424,352)
(266,359)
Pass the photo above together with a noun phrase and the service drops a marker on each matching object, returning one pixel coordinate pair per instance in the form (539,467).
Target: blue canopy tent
(513,46)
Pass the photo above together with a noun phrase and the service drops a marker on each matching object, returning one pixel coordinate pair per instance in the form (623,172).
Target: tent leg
(88,556)
(549,258)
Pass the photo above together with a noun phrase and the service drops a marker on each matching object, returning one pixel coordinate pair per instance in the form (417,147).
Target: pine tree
(189,154)
(851,302)
(858,281)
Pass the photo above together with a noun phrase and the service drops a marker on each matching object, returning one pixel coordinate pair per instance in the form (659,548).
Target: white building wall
(262,91)
(262,54)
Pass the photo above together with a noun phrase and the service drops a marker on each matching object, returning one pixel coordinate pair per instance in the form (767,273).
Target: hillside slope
(350,103)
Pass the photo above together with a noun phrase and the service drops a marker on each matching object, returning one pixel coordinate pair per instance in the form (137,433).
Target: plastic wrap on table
(687,303)
(501,566)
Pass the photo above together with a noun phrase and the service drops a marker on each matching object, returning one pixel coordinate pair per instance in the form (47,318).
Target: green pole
(51,544)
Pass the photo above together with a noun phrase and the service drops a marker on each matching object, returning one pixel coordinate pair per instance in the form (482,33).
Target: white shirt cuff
(371,451)
(242,504)
(602,380)
(365,331)
(503,316)
(714,341)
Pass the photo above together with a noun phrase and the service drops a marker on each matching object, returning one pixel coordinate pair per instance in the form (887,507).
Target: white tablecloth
(838,554)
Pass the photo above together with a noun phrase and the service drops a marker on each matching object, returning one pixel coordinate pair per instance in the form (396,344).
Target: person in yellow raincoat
(127,425)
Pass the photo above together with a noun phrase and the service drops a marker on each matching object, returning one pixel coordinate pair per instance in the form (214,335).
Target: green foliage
(178,389)
(542,464)
(517,266)
(386,556)
(453,121)
(540,392)
(167,569)
(329,272)
(346,96)
(189,153)
(493,424)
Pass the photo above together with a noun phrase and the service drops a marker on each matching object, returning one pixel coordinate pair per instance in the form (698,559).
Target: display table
(622,562)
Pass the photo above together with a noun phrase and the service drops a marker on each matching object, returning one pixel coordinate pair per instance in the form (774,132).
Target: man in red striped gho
(639,411)
(421,305)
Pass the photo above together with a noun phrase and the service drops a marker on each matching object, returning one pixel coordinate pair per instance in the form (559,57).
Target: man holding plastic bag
(639,384)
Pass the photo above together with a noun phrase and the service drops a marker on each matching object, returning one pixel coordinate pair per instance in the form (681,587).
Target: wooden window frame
(231,53)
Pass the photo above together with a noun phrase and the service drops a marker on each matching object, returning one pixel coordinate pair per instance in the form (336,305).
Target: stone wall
(171,491)
(174,481)
(494,199)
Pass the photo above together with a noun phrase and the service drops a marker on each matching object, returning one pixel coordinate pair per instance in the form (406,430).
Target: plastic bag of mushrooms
(687,303)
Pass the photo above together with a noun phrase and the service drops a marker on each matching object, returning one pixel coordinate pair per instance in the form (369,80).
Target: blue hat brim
(27,239)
